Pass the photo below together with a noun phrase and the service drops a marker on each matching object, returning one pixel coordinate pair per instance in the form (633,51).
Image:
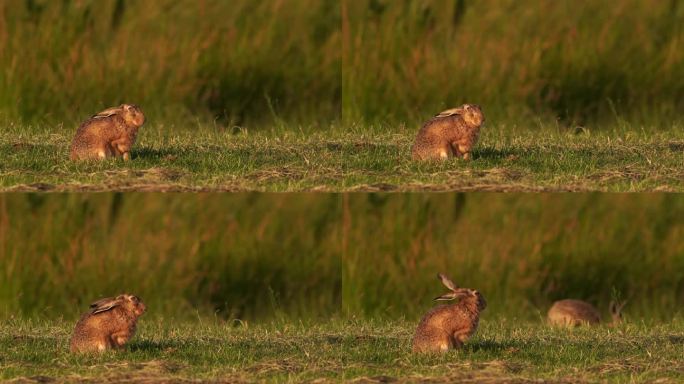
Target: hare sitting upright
(448,326)
(110,133)
(110,323)
(573,313)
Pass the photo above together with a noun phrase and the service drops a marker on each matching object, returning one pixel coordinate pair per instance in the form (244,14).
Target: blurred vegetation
(257,256)
(246,256)
(523,251)
(528,63)
(310,63)
(239,62)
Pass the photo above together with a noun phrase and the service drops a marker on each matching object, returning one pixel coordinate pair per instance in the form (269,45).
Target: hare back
(573,312)
(450,318)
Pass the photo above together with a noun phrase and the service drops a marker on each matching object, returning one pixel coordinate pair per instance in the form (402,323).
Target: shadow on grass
(29,341)
(490,346)
(675,339)
(152,153)
(153,346)
(355,147)
(495,154)
(21,147)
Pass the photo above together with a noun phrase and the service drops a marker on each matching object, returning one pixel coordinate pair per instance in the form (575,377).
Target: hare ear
(451,112)
(616,307)
(105,304)
(447,282)
(101,302)
(107,112)
(451,295)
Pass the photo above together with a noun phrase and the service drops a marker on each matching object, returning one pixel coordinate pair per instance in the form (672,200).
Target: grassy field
(522,60)
(350,351)
(311,255)
(522,251)
(348,160)
(244,256)
(326,95)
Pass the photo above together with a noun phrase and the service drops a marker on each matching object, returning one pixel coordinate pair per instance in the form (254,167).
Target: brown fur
(110,133)
(110,323)
(574,313)
(452,133)
(448,326)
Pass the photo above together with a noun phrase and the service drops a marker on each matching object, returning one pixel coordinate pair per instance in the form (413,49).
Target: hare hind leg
(89,148)
(444,152)
(104,151)
(434,341)
(96,344)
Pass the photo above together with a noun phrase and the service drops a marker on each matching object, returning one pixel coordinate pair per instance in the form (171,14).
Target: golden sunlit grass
(347,351)
(206,159)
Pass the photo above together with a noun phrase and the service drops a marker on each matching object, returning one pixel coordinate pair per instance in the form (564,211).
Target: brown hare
(110,323)
(452,133)
(573,313)
(110,133)
(448,326)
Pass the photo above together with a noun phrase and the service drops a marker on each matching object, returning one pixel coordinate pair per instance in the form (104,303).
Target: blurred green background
(238,62)
(264,256)
(529,63)
(307,64)
(521,250)
(245,256)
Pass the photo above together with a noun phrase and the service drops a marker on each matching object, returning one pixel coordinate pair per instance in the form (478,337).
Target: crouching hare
(573,313)
(448,326)
(451,133)
(110,133)
(109,324)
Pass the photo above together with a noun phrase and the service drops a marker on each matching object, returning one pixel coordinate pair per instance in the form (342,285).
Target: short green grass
(351,159)
(347,350)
